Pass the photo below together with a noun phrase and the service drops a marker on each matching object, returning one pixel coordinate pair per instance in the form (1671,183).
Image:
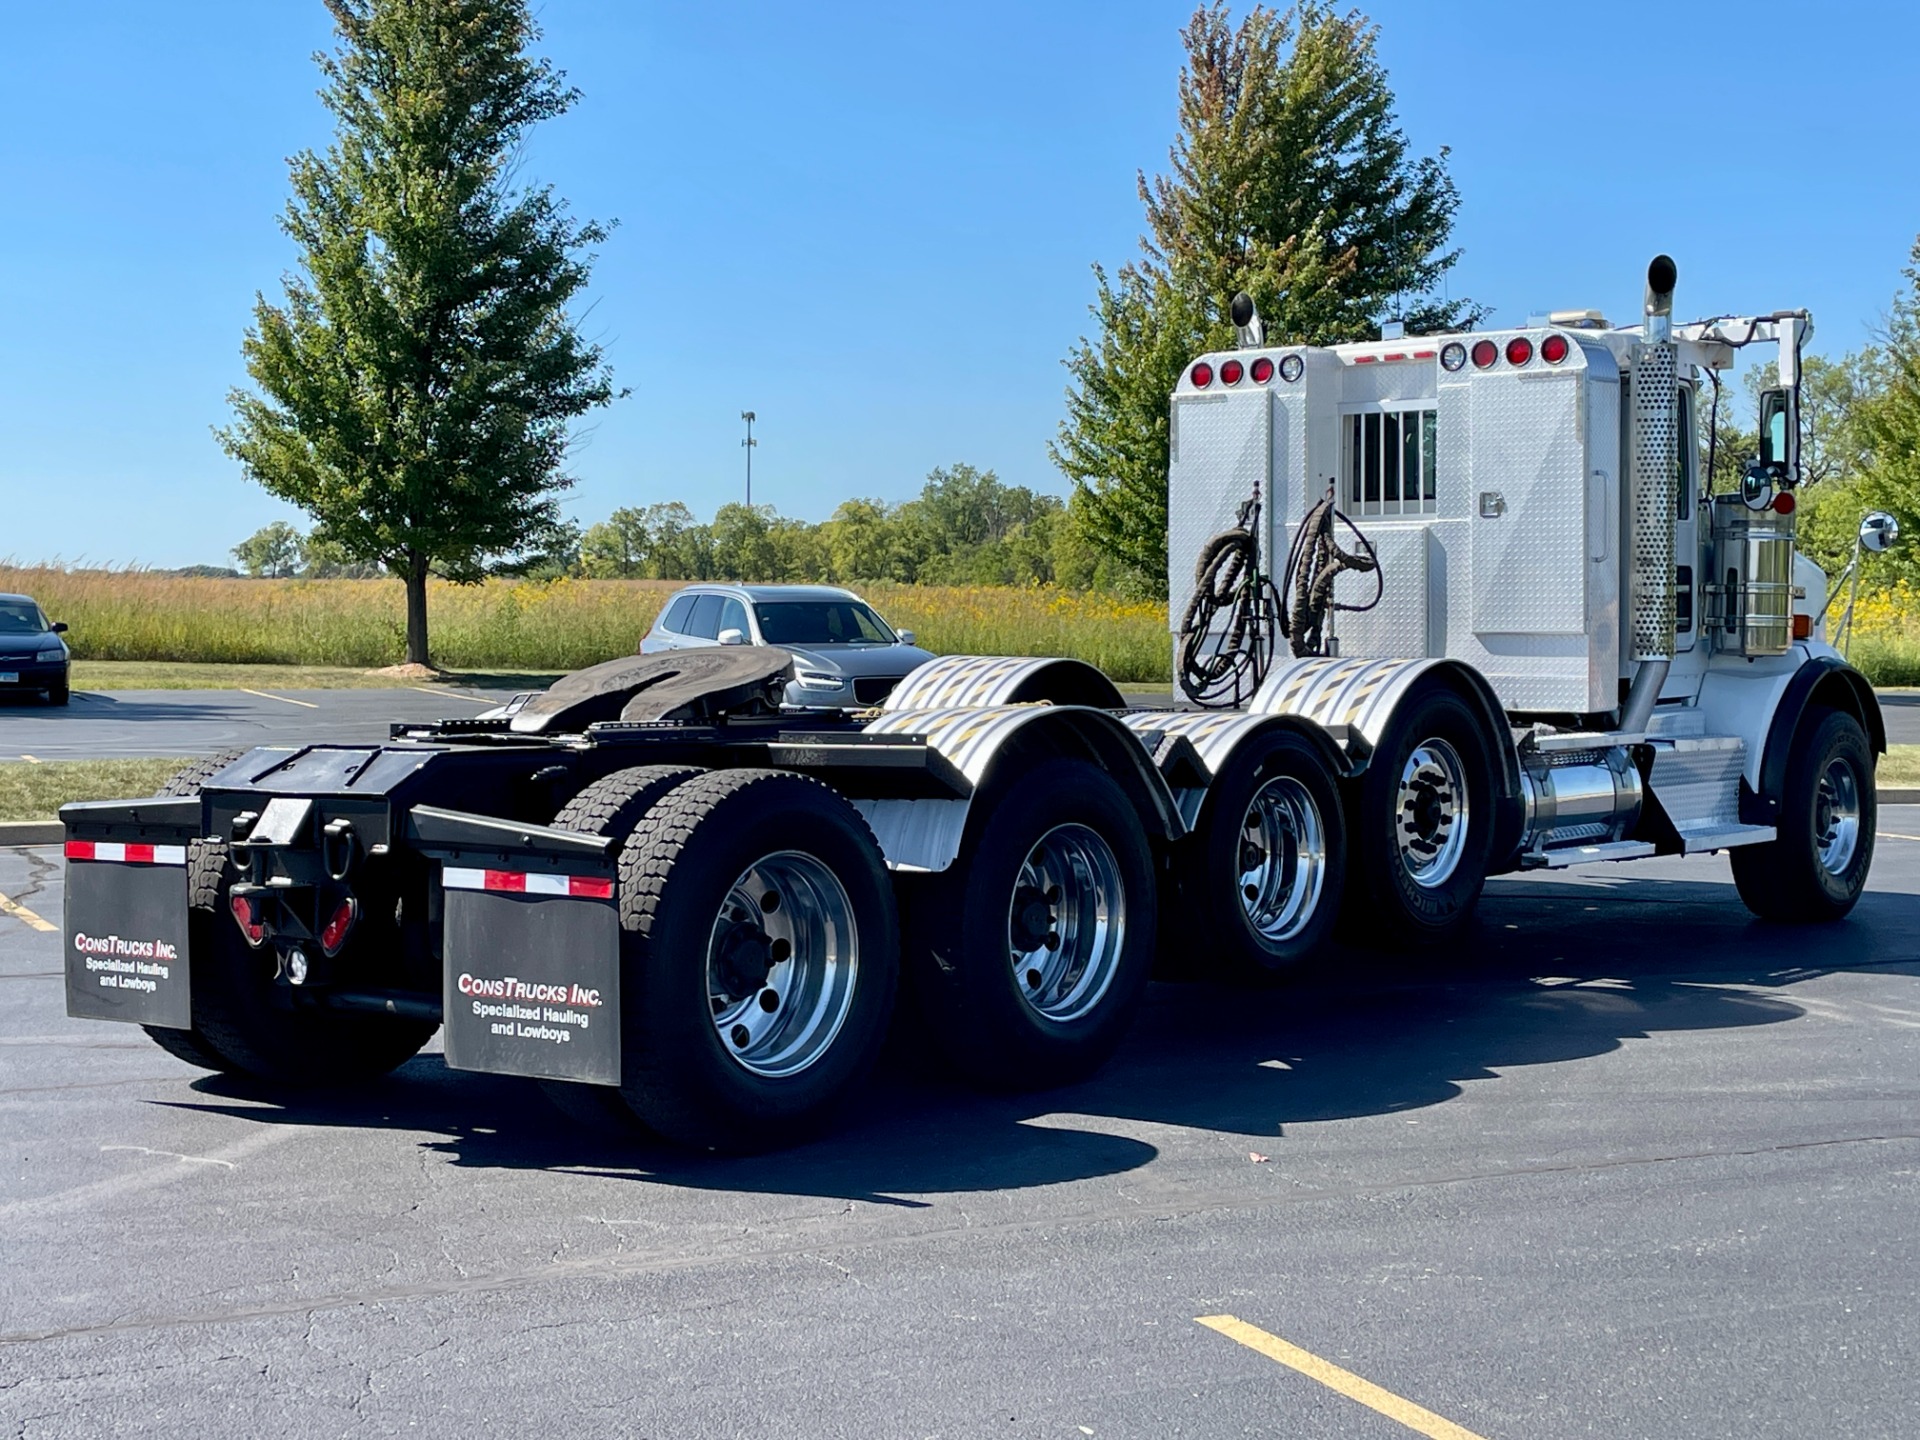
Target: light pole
(748,444)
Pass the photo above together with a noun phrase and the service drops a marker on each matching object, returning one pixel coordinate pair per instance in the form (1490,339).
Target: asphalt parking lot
(1627,1164)
(114,724)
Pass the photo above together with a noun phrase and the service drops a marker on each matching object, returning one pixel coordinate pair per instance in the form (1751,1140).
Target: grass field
(343,625)
(175,675)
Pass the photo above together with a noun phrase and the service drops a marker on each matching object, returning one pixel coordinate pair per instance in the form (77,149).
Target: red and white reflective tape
(126,854)
(519,882)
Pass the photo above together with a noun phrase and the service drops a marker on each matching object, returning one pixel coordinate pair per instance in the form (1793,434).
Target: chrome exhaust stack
(1653,494)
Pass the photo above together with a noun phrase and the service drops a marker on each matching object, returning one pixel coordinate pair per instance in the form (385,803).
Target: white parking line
(284,699)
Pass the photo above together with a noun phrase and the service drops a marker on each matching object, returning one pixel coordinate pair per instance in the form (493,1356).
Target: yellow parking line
(1895,835)
(1413,1416)
(31,759)
(20,912)
(284,699)
(429,690)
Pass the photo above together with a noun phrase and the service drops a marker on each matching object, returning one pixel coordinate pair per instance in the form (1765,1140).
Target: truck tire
(190,1045)
(611,805)
(1260,883)
(1423,824)
(760,955)
(1816,866)
(242,1018)
(1032,952)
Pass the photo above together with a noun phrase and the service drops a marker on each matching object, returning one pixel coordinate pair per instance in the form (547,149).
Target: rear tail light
(1519,350)
(1783,503)
(246,914)
(1231,372)
(1262,370)
(1553,349)
(1201,375)
(1485,352)
(334,934)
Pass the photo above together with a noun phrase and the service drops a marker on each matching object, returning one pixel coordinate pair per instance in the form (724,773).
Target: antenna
(748,444)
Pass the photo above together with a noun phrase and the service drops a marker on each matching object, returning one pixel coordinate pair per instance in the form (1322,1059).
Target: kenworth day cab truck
(666,897)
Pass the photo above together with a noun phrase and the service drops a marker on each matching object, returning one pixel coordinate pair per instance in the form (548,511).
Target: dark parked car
(32,654)
(845,655)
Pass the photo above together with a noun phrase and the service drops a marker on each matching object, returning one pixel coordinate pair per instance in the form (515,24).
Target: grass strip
(1899,766)
(181,675)
(36,792)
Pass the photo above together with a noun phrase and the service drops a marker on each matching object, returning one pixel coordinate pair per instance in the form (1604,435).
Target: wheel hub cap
(1283,861)
(782,961)
(1836,817)
(1431,814)
(1066,923)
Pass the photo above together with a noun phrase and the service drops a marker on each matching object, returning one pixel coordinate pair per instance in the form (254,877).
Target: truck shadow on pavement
(1535,984)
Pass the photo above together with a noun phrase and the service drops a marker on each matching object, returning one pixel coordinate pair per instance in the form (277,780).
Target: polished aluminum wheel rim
(782,963)
(1283,861)
(1836,817)
(1431,816)
(1066,923)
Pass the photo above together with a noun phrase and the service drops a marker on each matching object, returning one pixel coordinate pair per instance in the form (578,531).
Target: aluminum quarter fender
(926,835)
(978,680)
(1216,734)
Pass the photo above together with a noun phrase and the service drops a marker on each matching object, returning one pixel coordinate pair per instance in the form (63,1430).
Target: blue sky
(872,224)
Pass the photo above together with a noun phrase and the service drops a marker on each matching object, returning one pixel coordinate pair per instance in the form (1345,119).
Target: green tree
(617,548)
(272,551)
(416,388)
(1887,421)
(743,543)
(1291,180)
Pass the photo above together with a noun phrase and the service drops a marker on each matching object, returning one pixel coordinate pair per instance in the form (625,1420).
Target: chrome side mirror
(1878,531)
(906,636)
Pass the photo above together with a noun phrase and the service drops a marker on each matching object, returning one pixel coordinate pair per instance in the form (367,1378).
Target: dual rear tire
(759,954)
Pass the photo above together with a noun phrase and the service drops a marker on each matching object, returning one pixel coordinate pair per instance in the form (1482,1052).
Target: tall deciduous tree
(1887,421)
(416,387)
(1291,180)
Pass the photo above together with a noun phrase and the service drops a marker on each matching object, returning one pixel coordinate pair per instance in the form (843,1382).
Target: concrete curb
(31,832)
(18,833)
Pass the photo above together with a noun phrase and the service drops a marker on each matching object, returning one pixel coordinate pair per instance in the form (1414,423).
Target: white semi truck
(670,899)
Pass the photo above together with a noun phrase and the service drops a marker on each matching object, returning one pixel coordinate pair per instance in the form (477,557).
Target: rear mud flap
(531,946)
(126,933)
(532,977)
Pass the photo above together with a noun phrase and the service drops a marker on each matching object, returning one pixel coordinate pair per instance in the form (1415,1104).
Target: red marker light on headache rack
(1201,375)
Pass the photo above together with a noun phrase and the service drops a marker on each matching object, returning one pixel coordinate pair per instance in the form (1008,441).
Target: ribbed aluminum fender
(1215,734)
(1362,695)
(1359,694)
(925,835)
(978,680)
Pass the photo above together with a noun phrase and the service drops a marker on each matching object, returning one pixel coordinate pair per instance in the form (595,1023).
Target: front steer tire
(1816,865)
(705,1061)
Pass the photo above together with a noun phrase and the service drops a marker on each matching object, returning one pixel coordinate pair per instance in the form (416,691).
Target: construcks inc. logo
(508,988)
